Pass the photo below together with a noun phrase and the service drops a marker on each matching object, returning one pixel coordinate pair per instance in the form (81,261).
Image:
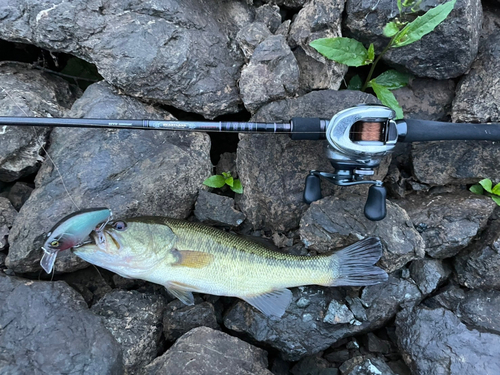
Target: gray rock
(155,51)
(448,222)
(273,169)
(426,99)
(317,19)
(46,327)
(455,162)
(269,14)
(479,264)
(314,365)
(250,36)
(288,3)
(2,260)
(178,318)
(133,172)
(339,221)
(338,313)
(134,319)
(227,163)
(19,194)
(272,74)
(491,21)
(7,215)
(27,92)
(206,351)
(481,310)
(428,274)
(428,57)
(302,332)
(92,283)
(217,209)
(449,297)
(479,91)
(370,366)
(374,344)
(436,342)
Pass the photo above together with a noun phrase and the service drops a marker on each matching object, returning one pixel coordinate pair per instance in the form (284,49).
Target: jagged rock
(314,365)
(178,318)
(272,74)
(448,222)
(369,366)
(269,15)
(426,99)
(46,327)
(19,193)
(27,92)
(227,163)
(374,344)
(428,274)
(206,351)
(177,53)
(133,172)
(217,209)
(338,221)
(250,36)
(273,169)
(7,215)
(479,91)
(317,19)
(92,283)
(134,319)
(302,331)
(428,57)
(481,310)
(478,266)
(288,3)
(455,162)
(436,342)
(449,297)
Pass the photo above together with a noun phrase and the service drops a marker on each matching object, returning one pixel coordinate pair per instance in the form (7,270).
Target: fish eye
(119,225)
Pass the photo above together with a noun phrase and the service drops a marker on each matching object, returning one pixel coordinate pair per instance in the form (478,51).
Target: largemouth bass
(189,257)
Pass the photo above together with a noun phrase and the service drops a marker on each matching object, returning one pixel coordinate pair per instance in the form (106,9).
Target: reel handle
(375,206)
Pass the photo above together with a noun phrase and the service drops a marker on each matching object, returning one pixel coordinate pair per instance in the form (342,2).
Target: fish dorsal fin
(192,259)
(182,292)
(271,303)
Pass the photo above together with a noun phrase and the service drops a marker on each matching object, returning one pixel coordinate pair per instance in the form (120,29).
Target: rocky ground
(439,312)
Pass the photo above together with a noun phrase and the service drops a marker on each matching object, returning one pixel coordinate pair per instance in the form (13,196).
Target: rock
(227,163)
(455,162)
(374,344)
(134,320)
(288,3)
(19,194)
(436,342)
(206,351)
(2,260)
(272,74)
(428,57)
(7,216)
(426,99)
(46,327)
(317,19)
(269,14)
(448,222)
(92,283)
(179,318)
(481,310)
(314,365)
(428,274)
(250,36)
(133,172)
(27,92)
(302,331)
(338,221)
(273,169)
(338,313)
(479,265)
(491,21)
(369,366)
(479,91)
(155,51)
(449,297)
(217,209)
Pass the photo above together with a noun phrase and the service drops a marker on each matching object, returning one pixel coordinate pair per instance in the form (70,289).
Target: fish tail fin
(354,265)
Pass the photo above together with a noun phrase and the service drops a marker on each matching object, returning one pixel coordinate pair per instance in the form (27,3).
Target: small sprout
(485,187)
(221,180)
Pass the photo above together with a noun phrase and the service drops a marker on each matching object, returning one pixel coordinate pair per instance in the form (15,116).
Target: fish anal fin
(192,259)
(273,303)
(181,291)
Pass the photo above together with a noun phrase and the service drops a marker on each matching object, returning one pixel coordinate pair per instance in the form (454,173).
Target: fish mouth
(98,240)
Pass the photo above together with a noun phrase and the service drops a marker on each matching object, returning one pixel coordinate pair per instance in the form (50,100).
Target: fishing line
(43,148)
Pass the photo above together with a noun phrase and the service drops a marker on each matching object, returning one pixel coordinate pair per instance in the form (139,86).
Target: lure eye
(120,225)
(55,243)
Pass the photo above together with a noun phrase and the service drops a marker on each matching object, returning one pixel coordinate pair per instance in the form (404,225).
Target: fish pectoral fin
(192,259)
(181,291)
(271,303)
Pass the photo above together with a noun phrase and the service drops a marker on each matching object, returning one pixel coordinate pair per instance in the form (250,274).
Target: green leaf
(392,79)
(342,50)
(477,189)
(229,181)
(497,200)
(216,181)
(423,25)
(237,187)
(371,53)
(391,29)
(496,189)
(486,184)
(400,6)
(355,83)
(226,174)
(387,98)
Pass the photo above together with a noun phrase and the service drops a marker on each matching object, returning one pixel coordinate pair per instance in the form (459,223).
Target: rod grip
(424,131)
(304,128)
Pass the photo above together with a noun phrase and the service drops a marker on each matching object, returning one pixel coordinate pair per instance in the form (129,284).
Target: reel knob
(312,190)
(375,206)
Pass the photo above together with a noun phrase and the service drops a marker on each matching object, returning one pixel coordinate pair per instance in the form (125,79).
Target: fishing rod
(358,138)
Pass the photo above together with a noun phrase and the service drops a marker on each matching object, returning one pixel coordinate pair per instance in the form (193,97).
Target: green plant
(220,180)
(353,53)
(485,187)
